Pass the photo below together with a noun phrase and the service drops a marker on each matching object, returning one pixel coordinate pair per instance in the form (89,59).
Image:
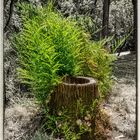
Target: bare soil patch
(121,104)
(121,107)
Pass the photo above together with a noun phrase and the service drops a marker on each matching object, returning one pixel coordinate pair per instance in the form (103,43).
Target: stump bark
(73,89)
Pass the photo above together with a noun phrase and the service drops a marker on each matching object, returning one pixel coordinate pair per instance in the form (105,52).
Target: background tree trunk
(105,21)
(94,10)
(135,24)
(9,14)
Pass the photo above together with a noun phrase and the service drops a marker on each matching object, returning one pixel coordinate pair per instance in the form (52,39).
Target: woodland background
(107,17)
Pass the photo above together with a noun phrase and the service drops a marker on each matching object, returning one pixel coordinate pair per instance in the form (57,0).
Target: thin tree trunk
(135,24)
(93,10)
(95,2)
(10,14)
(105,21)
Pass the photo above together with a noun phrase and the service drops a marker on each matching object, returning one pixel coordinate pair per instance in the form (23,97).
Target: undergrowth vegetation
(50,47)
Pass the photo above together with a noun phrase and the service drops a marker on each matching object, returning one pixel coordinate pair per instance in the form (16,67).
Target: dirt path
(121,105)
(121,109)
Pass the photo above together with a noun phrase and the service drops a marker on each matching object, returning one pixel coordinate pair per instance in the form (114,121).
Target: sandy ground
(21,120)
(121,107)
(121,104)
(22,116)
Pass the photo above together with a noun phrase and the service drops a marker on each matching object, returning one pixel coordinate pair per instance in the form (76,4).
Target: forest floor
(22,116)
(121,104)
(120,107)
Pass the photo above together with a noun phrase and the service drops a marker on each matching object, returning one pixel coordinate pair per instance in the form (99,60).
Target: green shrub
(97,60)
(51,46)
(37,57)
(48,47)
(98,65)
(56,31)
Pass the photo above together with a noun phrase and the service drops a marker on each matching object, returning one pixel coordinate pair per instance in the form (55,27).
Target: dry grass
(21,120)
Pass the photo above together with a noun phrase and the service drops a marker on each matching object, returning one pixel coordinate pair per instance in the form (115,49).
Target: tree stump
(73,89)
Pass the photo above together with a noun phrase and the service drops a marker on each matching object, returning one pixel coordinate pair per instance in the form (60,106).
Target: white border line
(1,69)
